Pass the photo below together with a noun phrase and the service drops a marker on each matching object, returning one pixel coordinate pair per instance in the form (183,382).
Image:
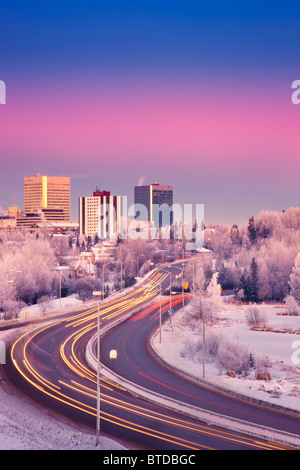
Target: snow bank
(25,425)
(284,387)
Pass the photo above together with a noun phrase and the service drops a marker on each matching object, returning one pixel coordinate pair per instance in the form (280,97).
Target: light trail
(75,385)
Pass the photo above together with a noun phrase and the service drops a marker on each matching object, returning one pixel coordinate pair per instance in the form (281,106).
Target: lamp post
(170,274)
(137,264)
(103,266)
(163,253)
(203,353)
(182,288)
(160,314)
(98,294)
(121,274)
(121,263)
(60,269)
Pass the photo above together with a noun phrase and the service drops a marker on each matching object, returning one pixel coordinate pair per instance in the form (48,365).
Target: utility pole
(203,353)
(96,293)
(160,314)
(98,379)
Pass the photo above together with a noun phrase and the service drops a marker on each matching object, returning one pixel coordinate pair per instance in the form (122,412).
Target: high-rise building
(157,200)
(48,196)
(101,215)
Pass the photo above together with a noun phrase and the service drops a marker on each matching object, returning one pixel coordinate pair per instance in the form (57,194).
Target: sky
(185,93)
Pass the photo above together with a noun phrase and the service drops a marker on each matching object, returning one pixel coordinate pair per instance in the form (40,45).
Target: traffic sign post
(170,312)
(2,352)
(97,294)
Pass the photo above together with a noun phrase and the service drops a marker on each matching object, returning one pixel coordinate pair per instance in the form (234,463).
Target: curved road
(49,364)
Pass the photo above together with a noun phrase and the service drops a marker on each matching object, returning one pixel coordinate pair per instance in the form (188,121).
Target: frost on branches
(26,272)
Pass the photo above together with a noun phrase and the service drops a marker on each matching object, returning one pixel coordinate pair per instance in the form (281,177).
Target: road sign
(170,311)
(97,292)
(186,285)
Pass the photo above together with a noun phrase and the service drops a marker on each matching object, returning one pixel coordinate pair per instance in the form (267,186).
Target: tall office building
(101,215)
(157,200)
(49,196)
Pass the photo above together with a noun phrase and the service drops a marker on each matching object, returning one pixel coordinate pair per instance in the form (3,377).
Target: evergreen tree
(252,230)
(253,281)
(249,283)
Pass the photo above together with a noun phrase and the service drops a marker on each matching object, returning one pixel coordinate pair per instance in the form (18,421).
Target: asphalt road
(49,363)
(135,363)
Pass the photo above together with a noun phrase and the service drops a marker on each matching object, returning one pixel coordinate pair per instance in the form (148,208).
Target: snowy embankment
(26,425)
(274,342)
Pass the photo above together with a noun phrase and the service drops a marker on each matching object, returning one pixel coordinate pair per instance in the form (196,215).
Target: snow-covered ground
(30,426)
(281,348)
(27,425)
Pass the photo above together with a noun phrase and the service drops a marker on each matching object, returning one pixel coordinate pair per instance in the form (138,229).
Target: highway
(49,363)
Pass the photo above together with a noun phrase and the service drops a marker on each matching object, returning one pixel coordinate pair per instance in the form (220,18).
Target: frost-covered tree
(26,270)
(292,306)
(264,288)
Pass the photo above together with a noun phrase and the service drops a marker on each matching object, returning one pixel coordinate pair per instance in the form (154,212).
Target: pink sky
(193,125)
(154,127)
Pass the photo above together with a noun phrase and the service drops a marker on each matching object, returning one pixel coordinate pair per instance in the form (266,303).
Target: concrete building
(157,200)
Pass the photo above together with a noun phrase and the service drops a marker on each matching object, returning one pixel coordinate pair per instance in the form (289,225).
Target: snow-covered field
(281,348)
(29,426)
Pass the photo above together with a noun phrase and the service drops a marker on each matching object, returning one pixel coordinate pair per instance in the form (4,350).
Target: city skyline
(195,96)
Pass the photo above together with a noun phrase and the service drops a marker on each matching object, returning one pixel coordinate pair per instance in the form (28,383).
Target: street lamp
(203,353)
(103,266)
(98,294)
(60,269)
(137,264)
(170,274)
